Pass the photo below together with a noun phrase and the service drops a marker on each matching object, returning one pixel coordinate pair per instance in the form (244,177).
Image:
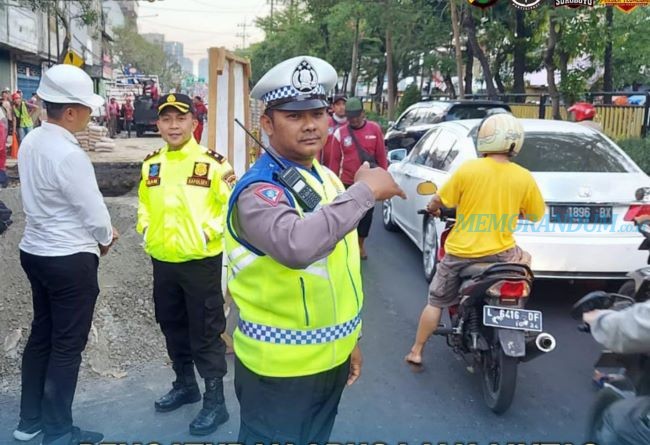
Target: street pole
(243,34)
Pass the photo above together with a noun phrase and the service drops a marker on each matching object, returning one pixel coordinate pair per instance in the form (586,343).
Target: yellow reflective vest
(182,199)
(294,322)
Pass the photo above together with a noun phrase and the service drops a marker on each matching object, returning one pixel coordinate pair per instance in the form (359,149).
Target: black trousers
(189,308)
(297,410)
(64,292)
(363,229)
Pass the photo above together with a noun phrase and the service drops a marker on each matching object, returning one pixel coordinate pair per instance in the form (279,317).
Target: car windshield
(572,152)
(459,112)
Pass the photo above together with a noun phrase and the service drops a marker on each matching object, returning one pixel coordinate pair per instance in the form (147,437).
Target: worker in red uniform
(337,118)
(201,115)
(353,144)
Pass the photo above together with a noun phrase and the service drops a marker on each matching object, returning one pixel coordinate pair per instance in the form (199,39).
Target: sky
(201,24)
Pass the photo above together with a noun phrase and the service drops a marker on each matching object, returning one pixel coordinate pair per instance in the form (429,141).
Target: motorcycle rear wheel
(498,379)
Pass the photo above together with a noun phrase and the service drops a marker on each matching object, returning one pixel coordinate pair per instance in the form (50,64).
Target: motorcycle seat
(476,269)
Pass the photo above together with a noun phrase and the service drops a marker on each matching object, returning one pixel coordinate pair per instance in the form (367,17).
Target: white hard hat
(500,133)
(67,84)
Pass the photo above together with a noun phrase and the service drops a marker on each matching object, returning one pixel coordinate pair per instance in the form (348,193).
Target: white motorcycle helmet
(500,133)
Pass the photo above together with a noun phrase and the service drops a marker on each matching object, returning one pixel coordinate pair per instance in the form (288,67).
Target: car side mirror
(391,124)
(397,155)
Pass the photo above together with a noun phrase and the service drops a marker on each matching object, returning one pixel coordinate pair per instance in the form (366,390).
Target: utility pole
(243,34)
(271,3)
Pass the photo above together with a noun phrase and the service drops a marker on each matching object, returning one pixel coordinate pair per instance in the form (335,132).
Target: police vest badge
(153,177)
(200,175)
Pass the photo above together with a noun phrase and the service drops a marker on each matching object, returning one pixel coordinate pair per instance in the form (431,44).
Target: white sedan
(588,183)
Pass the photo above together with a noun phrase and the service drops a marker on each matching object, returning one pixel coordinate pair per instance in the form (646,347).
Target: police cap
(181,102)
(299,83)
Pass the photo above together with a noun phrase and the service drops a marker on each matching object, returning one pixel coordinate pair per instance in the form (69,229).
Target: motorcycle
(490,322)
(635,379)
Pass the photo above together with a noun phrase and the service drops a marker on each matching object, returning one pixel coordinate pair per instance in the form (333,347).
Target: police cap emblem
(304,78)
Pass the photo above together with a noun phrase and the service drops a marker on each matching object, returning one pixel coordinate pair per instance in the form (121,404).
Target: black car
(419,117)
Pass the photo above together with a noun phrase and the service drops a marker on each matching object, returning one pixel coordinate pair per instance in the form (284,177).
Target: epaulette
(216,156)
(151,155)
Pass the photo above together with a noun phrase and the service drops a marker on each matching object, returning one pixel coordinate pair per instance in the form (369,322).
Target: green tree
(129,47)
(411,95)
(631,48)
(83,11)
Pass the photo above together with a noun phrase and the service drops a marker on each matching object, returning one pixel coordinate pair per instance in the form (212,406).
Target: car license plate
(520,319)
(577,214)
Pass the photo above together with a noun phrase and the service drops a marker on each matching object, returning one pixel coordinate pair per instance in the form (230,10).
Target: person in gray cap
(294,268)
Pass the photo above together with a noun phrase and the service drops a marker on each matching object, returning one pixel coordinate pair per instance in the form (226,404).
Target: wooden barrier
(619,122)
(228,98)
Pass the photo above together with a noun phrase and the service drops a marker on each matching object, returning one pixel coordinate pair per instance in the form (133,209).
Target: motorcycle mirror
(593,300)
(427,188)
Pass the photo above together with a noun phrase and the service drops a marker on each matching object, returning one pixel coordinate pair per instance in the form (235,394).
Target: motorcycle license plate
(519,319)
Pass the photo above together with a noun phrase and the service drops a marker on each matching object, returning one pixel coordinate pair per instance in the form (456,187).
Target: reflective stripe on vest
(270,334)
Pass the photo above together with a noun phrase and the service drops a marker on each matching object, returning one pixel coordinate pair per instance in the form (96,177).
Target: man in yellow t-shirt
(489,195)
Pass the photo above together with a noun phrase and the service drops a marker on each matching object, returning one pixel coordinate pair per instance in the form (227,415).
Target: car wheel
(387,216)
(429,248)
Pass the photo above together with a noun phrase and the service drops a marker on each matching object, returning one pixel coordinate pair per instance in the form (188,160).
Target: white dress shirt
(65,212)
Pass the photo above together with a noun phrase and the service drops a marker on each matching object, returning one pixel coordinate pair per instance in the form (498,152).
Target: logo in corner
(574,3)
(483,4)
(626,6)
(527,5)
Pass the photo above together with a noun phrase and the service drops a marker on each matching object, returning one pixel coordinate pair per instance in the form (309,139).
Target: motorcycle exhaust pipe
(545,342)
(542,344)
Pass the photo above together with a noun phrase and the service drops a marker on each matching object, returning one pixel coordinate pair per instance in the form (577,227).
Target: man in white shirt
(67,228)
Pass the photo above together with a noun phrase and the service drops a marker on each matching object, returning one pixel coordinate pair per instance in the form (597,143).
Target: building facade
(31,41)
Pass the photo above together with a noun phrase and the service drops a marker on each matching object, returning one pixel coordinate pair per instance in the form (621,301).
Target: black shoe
(76,437)
(27,430)
(179,395)
(208,420)
(85,437)
(214,412)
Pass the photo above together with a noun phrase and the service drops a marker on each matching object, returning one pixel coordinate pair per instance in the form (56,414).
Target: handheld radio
(290,177)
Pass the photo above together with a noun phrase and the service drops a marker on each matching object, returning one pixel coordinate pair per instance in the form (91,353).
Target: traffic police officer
(183,195)
(295,274)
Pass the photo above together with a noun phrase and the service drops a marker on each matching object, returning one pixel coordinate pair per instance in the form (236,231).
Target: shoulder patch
(152,154)
(229,178)
(216,156)
(269,193)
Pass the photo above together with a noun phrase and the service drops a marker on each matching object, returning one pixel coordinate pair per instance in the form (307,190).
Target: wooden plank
(231,112)
(247,111)
(213,56)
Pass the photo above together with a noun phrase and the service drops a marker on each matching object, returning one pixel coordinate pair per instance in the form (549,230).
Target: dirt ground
(124,334)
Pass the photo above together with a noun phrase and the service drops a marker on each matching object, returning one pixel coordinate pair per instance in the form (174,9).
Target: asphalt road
(390,403)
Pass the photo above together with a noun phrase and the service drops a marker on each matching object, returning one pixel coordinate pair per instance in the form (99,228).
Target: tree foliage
(383,42)
(131,48)
(85,12)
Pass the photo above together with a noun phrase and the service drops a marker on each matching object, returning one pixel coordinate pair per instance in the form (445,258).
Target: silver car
(589,185)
